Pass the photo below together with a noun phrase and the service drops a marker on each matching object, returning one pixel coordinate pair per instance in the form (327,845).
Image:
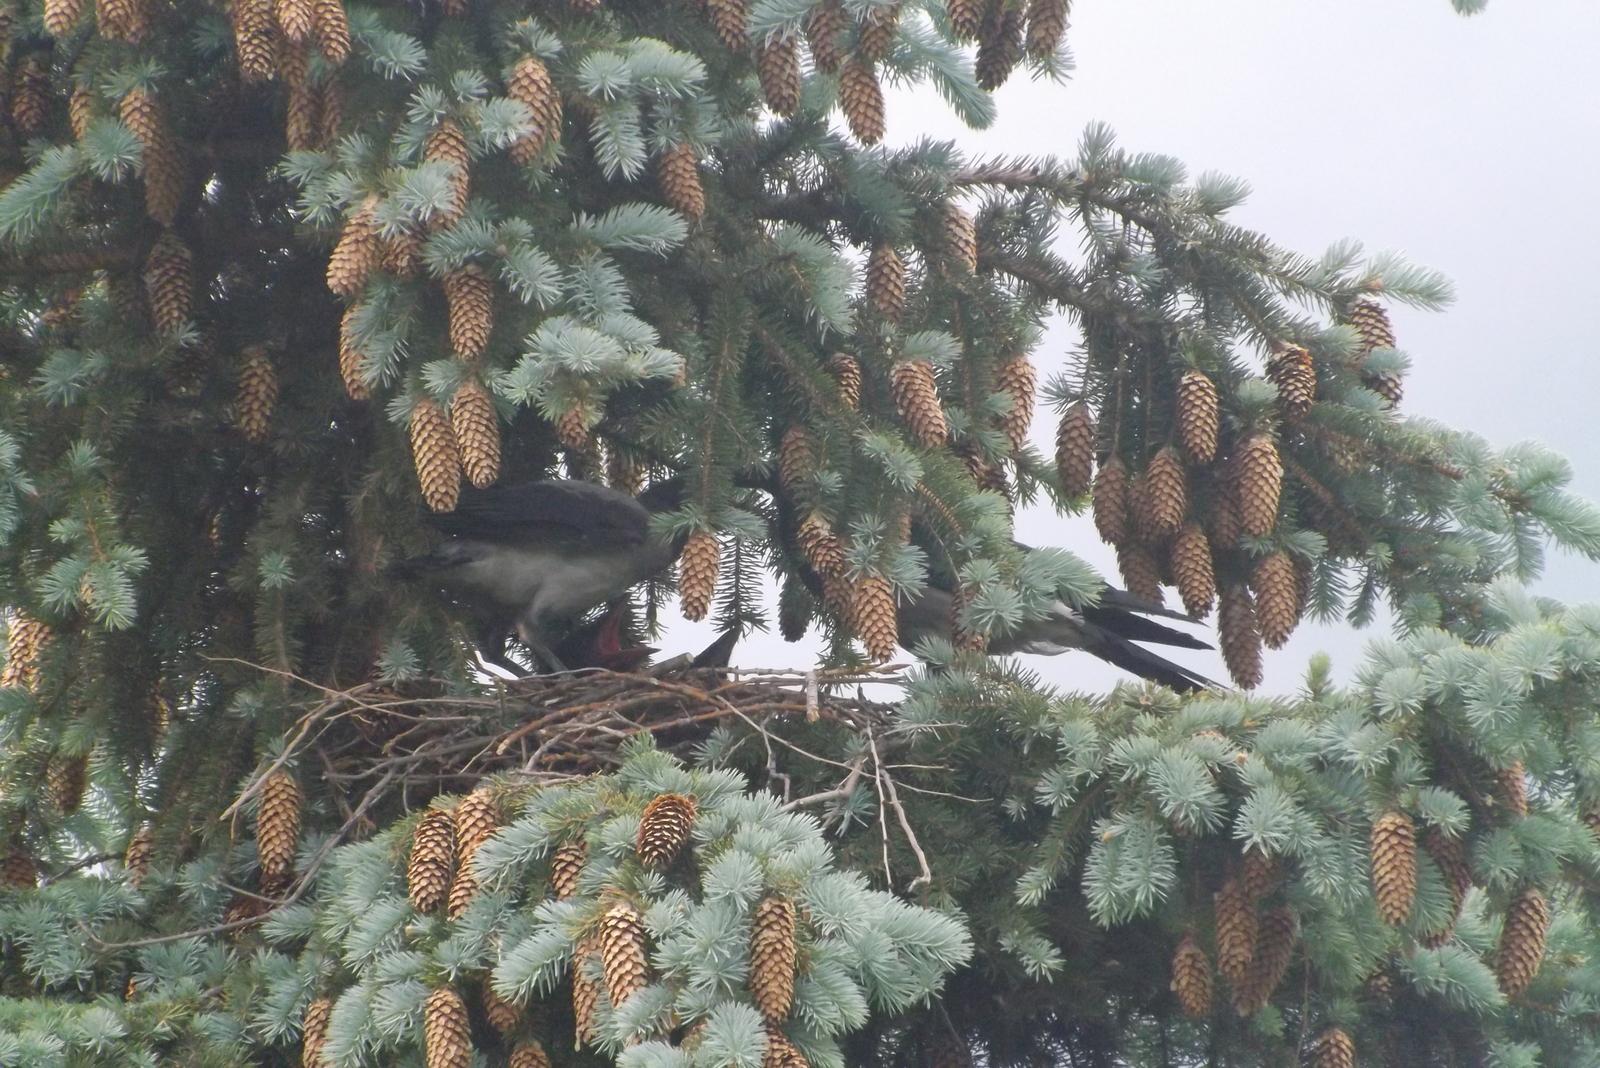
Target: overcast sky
(1469,144)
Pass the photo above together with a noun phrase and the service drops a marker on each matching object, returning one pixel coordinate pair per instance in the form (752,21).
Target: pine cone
(19,870)
(357,252)
(960,237)
(463,891)
(1592,820)
(1191,978)
(1334,1049)
(436,455)
(80,110)
(255,38)
(664,829)
(1140,572)
(1451,857)
(1000,45)
(1047,22)
(26,641)
(847,372)
(678,173)
(350,357)
(1258,479)
(398,255)
(470,294)
(1075,450)
(572,429)
(528,1054)
(330,27)
(1225,529)
(278,824)
(1372,326)
(820,546)
(622,952)
(448,144)
(1296,378)
(778,65)
(1111,501)
(886,281)
(697,574)
(446,1030)
(1164,498)
(1192,572)
(502,1015)
(1514,789)
(796,458)
(728,18)
(772,958)
(781,1052)
(314,1033)
(1018,378)
(966,18)
(66,779)
(477,431)
(294,19)
(1259,873)
(1386,384)
(1236,930)
(258,394)
(585,993)
(168,281)
(916,395)
(530,84)
(872,609)
(136,861)
(1274,949)
(1239,636)
(163,172)
(477,817)
(1394,866)
(823,27)
(60,16)
(623,472)
(1198,416)
(878,29)
(305,100)
(124,20)
(1522,941)
(432,861)
(861,97)
(566,866)
(30,95)
(1277,595)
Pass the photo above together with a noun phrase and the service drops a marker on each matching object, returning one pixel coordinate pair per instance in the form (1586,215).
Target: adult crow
(532,558)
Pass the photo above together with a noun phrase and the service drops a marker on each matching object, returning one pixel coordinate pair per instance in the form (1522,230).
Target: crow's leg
(542,654)
(490,638)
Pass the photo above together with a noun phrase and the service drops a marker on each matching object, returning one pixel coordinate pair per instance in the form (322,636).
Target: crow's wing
(1111,597)
(553,512)
(1117,650)
(1124,624)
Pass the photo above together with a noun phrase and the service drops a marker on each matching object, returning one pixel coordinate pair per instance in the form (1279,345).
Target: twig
(843,790)
(900,814)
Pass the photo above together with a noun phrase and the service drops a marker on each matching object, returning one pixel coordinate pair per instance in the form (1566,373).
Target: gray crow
(1106,629)
(531,559)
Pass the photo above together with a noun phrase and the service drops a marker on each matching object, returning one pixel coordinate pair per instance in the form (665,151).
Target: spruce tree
(282,279)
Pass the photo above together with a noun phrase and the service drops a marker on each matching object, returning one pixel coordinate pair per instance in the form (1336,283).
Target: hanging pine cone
(66,779)
(400,253)
(1275,941)
(19,870)
(255,39)
(278,824)
(470,294)
(305,100)
(772,958)
(168,281)
(1394,866)
(357,252)
(796,458)
(1165,496)
(136,860)
(1334,1049)
(778,66)
(1522,939)
(820,546)
(163,171)
(530,85)
(477,817)
(878,29)
(622,952)
(572,429)
(847,372)
(1198,416)
(1277,596)
(1514,789)
(566,866)
(678,172)
(861,97)
(1236,930)
(294,19)
(1000,45)
(30,95)
(1111,501)
(916,395)
(966,18)
(330,28)
(1259,873)
(1371,322)
(886,281)
(350,357)
(1047,22)
(477,432)
(823,27)
(448,144)
(1591,819)
(782,1052)
(728,18)
(1296,378)
(60,16)
(1018,378)
(1257,482)
(664,829)
(314,1033)
(1140,572)
(502,1015)
(446,1030)
(1379,987)
(1239,636)
(26,641)
(960,235)
(528,1054)
(258,394)
(1191,978)
(1225,530)
(585,992)
(80,110)
(1192,572)
(872,609)
(697,574)
(436,455)
(1451,857)
(1075,450)
(623,472)
(432,861)
(124,20)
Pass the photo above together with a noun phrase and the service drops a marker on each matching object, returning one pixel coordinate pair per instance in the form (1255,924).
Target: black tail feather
(1136,628)
(1116,650)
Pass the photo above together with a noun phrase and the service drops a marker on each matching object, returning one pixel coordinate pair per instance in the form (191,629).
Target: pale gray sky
(1471,145)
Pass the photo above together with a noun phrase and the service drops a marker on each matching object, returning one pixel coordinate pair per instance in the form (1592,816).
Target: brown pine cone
(1591,818)
(1047,22)
(1075,450)
(1225,529)
(314,1033)
(878,29)
(1275,941)
(357,252)
(294,19)
(463,891)
(530,84)
(1277,594)
(729,18)
(436,455)
(169,282)
(60,16)
(796,458)
(255,37)
(330,113)
(585,993)
(66,779)
(1257,482)
(678,173)
(301,115)
(566,865)
(1514,789)
(19,870)
(622,952)
(26,641)
(966,18)
(136,861)
(1334,1049)
(502,1015)
(1522,941)
(1165,496)
(1236,930)
(1394,866)
(623,471)
(1451,857)
(778,66)
(782,1052)
(278,824)
(350,357)
(664,829)
(477,817)
(448,144)
(873,617)
(861,97)
(1000,45)
(847,372)
(81,108)
(446,1030)
(697,574)
(1018,378)
(1192,572)
(823,27)
(916,395)
(1372,326)
(1239,636)
(528,1054)
(772,958)
(1259,873)
(121,20)
(960,237)
(258,394)
(30,95)
(572,429)
(1140,572)
(1296,378)
(886,281)
(163,173)
(1191,978)
(330,27)
(477,431)
(470,294)
(1111,501)
(821,546)
(1198,416)
(432,861)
